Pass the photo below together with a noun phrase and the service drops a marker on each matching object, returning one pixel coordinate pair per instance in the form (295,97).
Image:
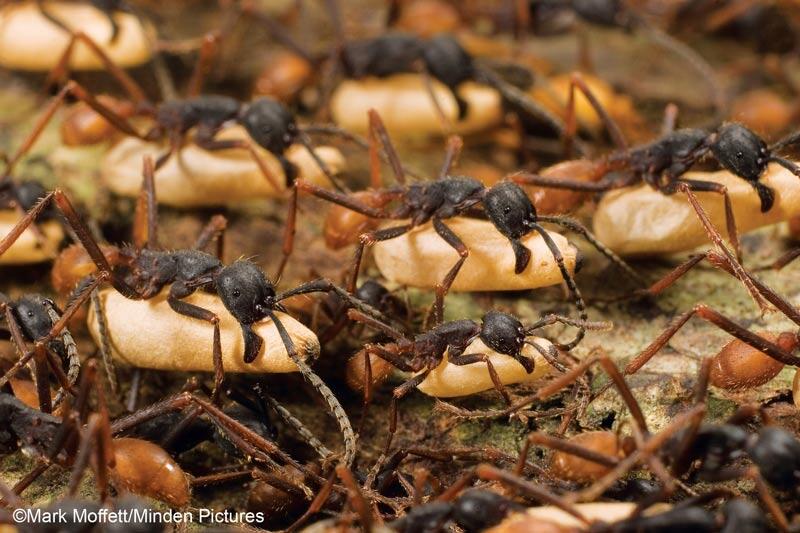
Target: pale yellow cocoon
(30,247)
(28,41)
(448,381)
(405,105)
(421,258)
(605,512)
(149,334)
(641,221)
(196,177)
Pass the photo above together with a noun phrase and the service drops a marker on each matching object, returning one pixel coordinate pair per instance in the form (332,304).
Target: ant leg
(783,260)
(427,81)
(304,140)
(379,134)
(316,504)
(105,343)
(61,71)
(355,497)
(371,322)
(571,285)
(785,163)
(577,83)
(213,231)
(531,490)
(397,394)
(368,239)
(722,322)
(308,437)
(288,234)
(468,359)
(575,226)
(670,121)
(326,285)
(526,178)
(563,445)
(518,99)
(145,221)
(730,220)
(42,379)
(334,406)
(42,8)
(205,59)
(716,238)
(442,289)
(177,292)
(454,146)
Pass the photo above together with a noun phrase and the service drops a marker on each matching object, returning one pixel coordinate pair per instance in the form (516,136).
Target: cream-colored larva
(29,41)
(29,247)
(532,518)
(149,334)
(449,381)
(421,258)
(405,105)
(641,221)
(196,177)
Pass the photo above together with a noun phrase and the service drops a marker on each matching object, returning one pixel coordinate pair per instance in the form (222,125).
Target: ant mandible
(506,205)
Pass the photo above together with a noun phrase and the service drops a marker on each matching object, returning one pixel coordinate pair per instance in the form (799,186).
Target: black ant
(506,205)
(269,123)
(107,7)
(501,332)
(242,286)
(663,162)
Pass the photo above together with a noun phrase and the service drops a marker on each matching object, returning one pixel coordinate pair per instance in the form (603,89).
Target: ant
(107,7)
(242,286)
(269,123)
(506,205)
(500,332)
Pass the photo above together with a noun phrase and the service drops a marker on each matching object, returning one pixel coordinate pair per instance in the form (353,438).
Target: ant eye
(507,209)
(739,155)
(236,293)
(30,314)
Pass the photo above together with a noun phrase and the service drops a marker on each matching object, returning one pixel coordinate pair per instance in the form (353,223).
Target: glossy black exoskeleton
(474,511)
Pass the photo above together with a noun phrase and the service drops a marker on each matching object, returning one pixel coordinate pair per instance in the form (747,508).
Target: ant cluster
(183,373)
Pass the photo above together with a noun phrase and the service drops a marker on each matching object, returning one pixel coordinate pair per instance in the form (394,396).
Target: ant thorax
(381,56)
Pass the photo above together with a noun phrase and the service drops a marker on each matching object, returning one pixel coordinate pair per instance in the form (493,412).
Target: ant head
(447,61)
(478,510)
(270,124)
(371,292)
(510,209)
(603,12)
(776,452)
(33,314)
(245,291)
(503,333)
(741,151)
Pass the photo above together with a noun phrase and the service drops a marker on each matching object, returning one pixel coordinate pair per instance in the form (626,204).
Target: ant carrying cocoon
(195,177)
(31,40)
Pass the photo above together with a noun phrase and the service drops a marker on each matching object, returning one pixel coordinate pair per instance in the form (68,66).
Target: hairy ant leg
(355,497)
(716,238)
(448,236)
(710,186)
(308,437)
(570,131)
(368,239)
(145,221)
(784,260)
(722,322)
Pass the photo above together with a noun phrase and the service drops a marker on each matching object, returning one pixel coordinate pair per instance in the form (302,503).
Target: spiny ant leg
(333,403)
(371,322)
(575,226)
(577,83)
(355,497)
(783,260)
(42,379)
(571,285)
(468,359)
(341,199)
(447,234)
(563,445)
(105,343)
(308,437)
